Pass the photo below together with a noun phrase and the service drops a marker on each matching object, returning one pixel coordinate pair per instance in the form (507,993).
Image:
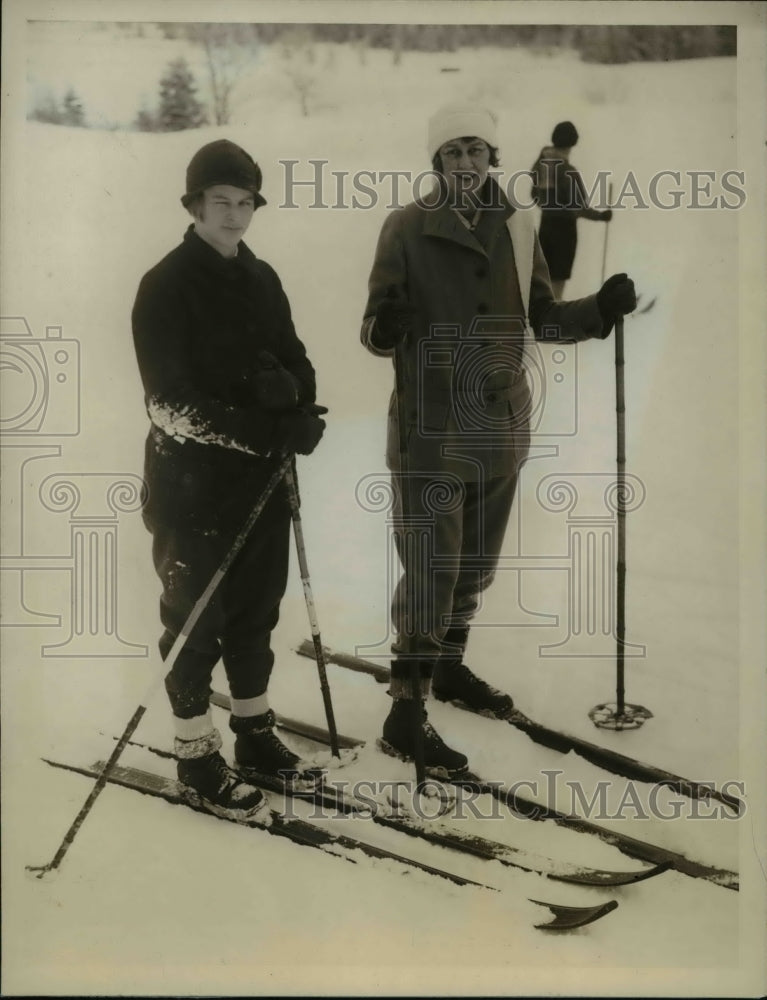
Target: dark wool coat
(560,192)
(199,321)
(557,184)
(466,394)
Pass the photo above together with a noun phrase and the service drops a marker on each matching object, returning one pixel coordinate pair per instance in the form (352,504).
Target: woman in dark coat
(559,190)
(228,390)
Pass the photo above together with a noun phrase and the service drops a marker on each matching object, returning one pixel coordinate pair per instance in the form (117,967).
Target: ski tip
(609,879)
(567,918)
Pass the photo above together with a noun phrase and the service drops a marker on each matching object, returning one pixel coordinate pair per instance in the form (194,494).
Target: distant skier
(559,190)
(454,276)
(228,389)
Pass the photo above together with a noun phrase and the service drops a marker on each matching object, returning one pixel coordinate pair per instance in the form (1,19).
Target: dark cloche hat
(565,135)
(222,162)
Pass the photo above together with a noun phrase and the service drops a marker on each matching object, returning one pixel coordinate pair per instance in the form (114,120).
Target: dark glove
(606,215)
(300,431)
(394,322)
(276,388)
(616,297)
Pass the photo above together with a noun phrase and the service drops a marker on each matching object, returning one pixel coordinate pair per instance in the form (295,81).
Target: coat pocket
(434,414)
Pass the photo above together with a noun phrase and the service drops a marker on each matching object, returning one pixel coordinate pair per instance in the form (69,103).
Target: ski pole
(319,653)
(178,645)
(409,544)
(620,485)
(607,226)
(620,715)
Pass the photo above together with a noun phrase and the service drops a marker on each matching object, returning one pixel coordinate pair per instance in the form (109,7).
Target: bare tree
(362,42)
(396,43)
(227,54)
(301,69)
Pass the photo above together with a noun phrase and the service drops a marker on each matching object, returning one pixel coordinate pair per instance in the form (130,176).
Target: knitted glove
(394,322)
(301,430)
(616,297)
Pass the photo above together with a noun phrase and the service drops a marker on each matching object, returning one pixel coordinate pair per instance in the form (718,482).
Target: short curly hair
(436,160)
(565,135)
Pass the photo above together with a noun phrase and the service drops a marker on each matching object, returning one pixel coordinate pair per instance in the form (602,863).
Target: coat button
(492,397)
(481,272)
(482,307)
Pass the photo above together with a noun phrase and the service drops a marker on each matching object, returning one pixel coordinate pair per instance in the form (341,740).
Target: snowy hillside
(155,899)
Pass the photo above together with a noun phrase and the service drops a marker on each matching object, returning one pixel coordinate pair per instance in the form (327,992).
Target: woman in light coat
(457,279)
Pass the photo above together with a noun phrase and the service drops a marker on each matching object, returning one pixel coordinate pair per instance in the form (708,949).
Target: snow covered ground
(155,899)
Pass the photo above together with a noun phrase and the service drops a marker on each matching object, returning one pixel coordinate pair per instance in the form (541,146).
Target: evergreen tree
(72,109)
(46,110)
(179,108)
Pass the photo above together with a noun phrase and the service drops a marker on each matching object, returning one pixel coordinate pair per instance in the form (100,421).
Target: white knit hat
(457,120)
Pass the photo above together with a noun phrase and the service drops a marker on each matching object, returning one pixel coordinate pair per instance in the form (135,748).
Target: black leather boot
(258,749)
(207,780)
(454,681)
(398,740)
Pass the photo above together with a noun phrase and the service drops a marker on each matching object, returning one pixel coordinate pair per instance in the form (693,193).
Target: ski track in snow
(157,897)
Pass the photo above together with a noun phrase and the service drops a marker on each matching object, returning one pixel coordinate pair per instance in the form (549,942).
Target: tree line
(604,43)
(229,48)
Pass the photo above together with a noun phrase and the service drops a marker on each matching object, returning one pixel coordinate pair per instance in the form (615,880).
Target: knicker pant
(449,552)
(239,619)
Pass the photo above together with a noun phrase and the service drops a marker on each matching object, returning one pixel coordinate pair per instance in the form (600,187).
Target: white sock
(195,728)
(247,707)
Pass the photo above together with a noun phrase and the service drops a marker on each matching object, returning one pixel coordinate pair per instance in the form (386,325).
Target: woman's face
(465,163)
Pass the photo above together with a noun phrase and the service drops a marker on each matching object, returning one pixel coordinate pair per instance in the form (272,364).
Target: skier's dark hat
(565,135)
(222,162)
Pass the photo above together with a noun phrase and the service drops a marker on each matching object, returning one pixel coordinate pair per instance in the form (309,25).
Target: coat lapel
(443,223)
